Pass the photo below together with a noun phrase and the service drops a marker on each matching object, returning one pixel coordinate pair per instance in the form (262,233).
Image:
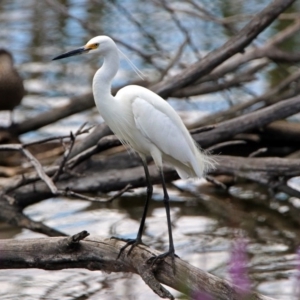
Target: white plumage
(147,123)
(155,129)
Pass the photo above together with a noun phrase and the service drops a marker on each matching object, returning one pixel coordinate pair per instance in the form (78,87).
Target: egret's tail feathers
(198,167)
(200,163)
(204,163)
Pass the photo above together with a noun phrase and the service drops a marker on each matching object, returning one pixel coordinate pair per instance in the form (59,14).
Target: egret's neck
(104,76)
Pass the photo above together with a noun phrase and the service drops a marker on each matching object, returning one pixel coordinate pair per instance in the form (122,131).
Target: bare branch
(202,129)
(175,19)
(67,153)
(258,152)
(267,97)
(225,144)
(256,119)
(174,60)
(98,199)
(53,138)
(234,45)
(35,163)
(61,9)
(96,253)
(10,212)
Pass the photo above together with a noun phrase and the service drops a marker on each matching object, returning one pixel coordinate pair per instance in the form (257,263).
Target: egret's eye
(95,46)
(92,46)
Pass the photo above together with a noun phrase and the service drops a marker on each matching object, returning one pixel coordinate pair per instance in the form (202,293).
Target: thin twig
(258,152)
(35,163)
(68,192)
(65,158)
(202,129)
(67,152)
(216,182)
(120,193)
(53,138)
(63,10)
(225,144)
(141,28)
(180,26)
(174,60)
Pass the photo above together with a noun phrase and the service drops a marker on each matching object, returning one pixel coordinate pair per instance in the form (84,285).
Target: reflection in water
(204,227)
(206,220)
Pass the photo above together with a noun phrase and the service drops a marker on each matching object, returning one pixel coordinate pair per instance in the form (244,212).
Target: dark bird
(11,84)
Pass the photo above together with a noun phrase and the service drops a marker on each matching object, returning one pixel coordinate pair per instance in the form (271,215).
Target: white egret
(148,124)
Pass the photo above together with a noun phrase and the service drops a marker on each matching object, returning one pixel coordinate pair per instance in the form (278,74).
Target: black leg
(171,251)
(138,240)
(167,206)
(148,198)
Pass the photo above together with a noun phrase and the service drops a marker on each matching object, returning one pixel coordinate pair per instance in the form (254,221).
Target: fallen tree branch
(221,83)
(96,253)
(267,97)
(11,213)
(234,45)
(222,132)
(35,163)
(24,179)
(239,59)
(75,105)
(97,199)
(261,170)
(227,129)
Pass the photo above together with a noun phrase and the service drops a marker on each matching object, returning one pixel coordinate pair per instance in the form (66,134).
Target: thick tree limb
(96,253)
(268,97)
(210,87)
(256,119)
(236,44)
(261,170)
(239,59)
(271,167)
(76,104)
(92,139)
(11,214)
(282,131)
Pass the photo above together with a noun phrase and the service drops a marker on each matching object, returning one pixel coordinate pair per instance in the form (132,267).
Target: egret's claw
(159,258)
(129,242)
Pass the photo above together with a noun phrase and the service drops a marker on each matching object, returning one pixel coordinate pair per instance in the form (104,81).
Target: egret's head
(99,44)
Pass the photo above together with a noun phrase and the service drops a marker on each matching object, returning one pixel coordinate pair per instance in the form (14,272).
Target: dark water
(207,221)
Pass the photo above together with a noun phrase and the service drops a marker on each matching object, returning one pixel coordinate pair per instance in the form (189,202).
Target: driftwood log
(96,253)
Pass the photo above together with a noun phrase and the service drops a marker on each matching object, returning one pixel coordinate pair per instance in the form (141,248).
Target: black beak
(72,53)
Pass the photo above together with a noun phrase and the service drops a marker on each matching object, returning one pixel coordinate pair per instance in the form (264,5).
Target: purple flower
(238,267)
(200,295)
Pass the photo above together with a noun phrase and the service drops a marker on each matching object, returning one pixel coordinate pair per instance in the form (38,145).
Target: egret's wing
(158,126)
